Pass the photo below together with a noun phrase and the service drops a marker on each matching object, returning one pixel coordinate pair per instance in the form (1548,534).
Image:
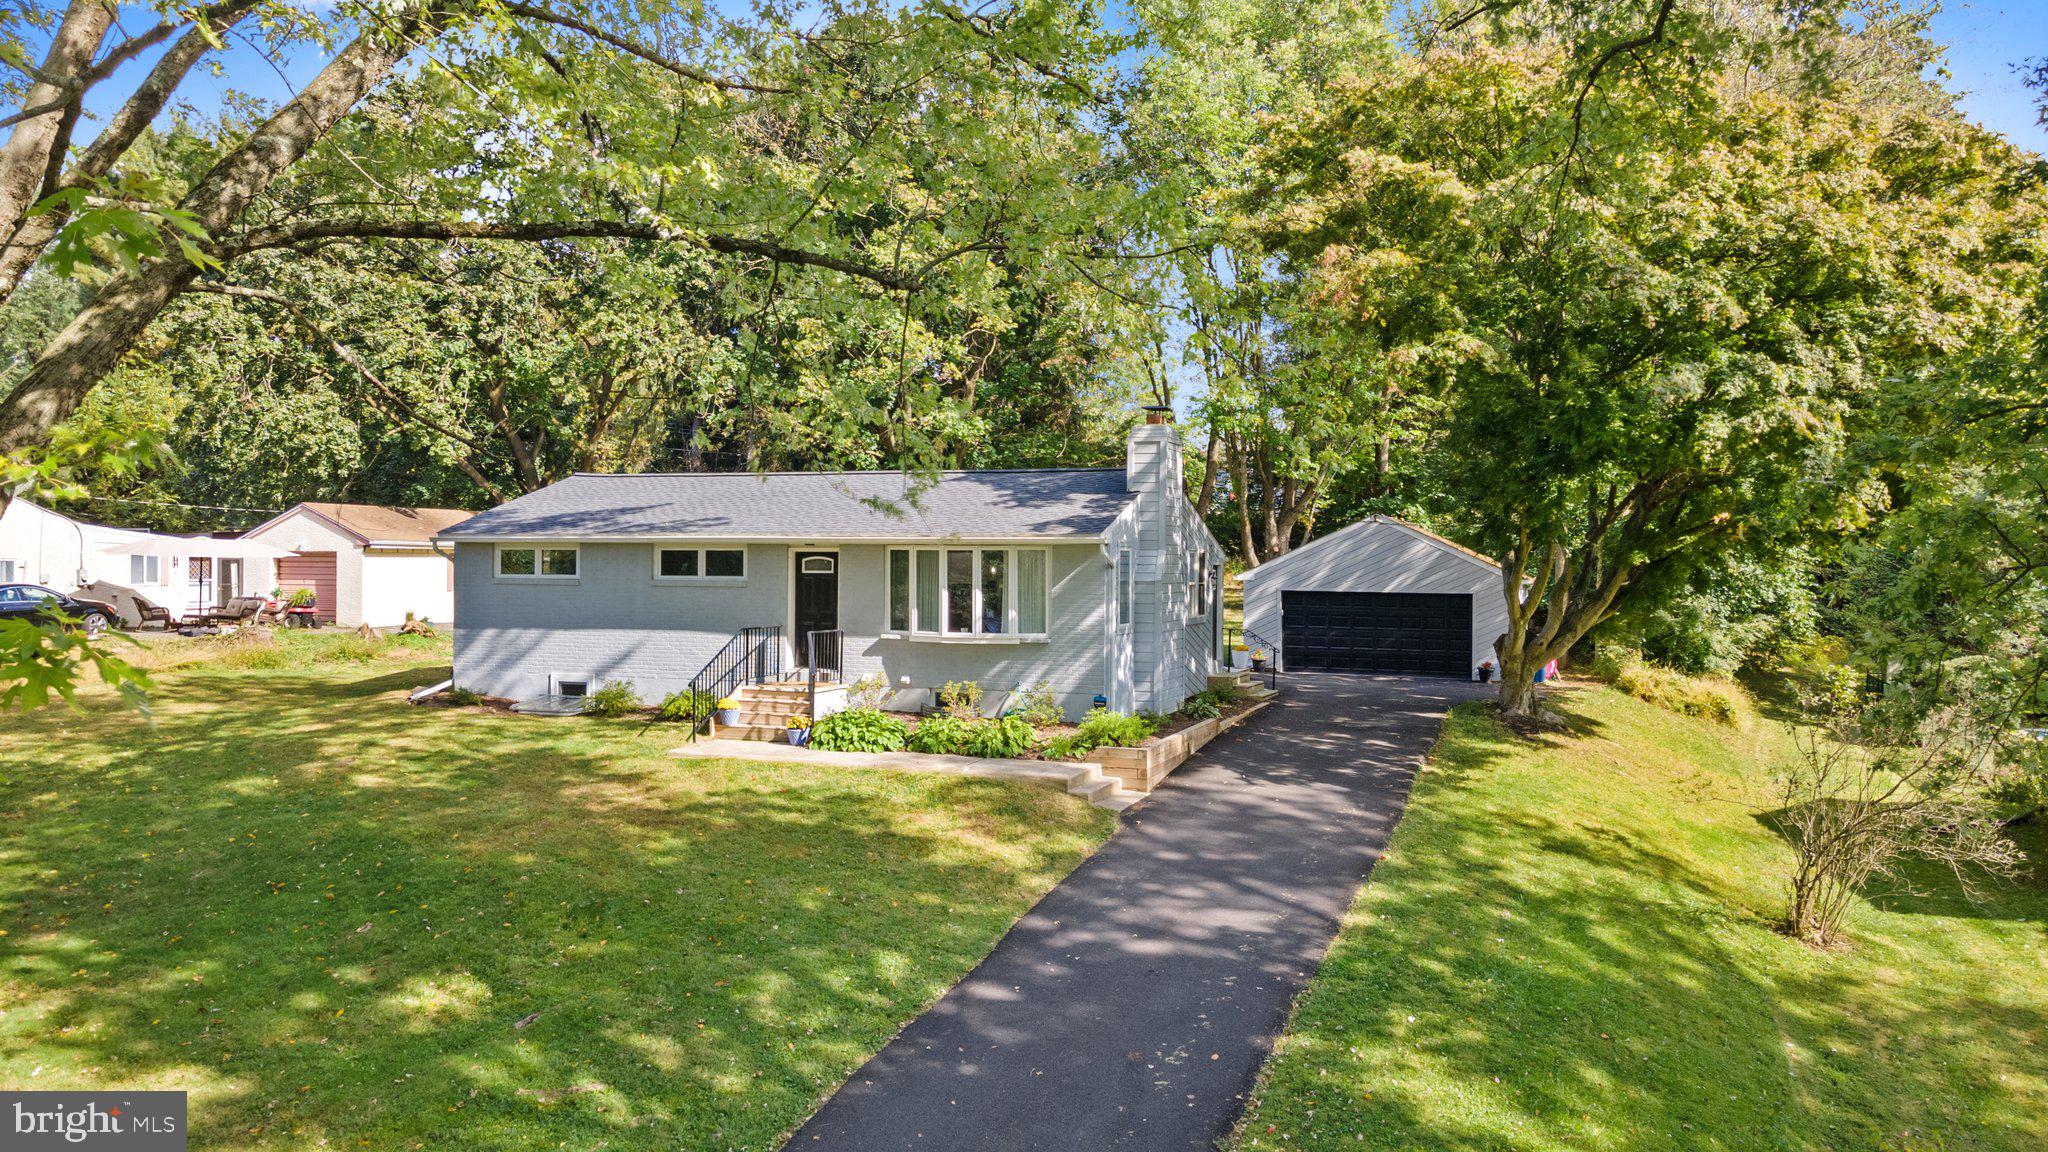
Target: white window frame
(1123,590)
(1198,586)
(150,567)
(536,576)
(7,570)
(918,629)
(701,580)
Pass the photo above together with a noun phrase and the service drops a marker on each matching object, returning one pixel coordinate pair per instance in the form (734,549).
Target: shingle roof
(990,505)
(374,523)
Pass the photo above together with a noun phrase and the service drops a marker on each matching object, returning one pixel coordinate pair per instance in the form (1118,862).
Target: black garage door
(1428,634)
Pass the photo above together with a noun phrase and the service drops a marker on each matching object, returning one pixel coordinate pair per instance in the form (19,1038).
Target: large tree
(1653,265)
(864,148)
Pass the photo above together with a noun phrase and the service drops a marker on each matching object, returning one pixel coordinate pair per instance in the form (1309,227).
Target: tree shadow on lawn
(1515,979)
(335,917)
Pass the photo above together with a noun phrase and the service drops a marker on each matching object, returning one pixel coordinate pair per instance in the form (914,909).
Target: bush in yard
(1039,707)
(1114,729)
(1707,698)
(859,730)
(867,692)
(687,706)
(961,698)
(613,698)
(1064,747)
(1006,738)
(1879,780)
(939,735)
(1200,707)
(464,697)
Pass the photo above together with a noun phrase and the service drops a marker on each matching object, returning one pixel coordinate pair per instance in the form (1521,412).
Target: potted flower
(1240,656)
(1258,659)
(728,711)
(799,730)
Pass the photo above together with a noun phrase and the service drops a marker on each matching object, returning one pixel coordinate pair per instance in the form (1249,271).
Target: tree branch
(286,236)
(634,48)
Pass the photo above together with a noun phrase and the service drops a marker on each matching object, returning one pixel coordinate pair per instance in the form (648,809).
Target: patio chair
(149,615)
(240,610)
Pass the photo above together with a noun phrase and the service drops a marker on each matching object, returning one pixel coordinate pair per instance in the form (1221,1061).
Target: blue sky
(1986,40)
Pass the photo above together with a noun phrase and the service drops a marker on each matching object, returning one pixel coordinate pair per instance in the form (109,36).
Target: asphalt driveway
(1132,1007)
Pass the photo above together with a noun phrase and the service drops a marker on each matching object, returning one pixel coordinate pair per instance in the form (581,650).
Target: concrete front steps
(1086,780)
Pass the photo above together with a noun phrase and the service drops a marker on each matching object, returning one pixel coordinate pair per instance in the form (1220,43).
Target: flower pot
(799,737)
(1258,663)
(728,716)
(1240,659)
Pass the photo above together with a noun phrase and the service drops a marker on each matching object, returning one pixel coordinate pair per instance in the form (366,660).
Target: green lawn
(338,920)
(1570,946)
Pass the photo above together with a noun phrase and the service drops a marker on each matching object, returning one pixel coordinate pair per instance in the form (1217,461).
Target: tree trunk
(32,235)
(1205,499)
(96,339)
(33,146)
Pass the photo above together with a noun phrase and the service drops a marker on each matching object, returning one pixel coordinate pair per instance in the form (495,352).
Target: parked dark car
(35,602)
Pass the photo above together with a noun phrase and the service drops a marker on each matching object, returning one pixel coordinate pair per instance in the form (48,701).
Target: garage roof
(1279,564)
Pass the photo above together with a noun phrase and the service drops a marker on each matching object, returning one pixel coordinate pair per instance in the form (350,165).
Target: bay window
(947,592)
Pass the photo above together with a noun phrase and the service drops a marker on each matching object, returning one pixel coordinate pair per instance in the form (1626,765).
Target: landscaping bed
(339,922)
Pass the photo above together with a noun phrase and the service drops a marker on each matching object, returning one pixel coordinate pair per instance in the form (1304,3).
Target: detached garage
(1379,596)
(364,563)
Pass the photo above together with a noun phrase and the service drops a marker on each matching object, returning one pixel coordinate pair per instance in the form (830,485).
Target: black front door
(817,599)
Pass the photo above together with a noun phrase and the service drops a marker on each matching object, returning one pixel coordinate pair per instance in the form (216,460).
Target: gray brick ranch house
(1100,581)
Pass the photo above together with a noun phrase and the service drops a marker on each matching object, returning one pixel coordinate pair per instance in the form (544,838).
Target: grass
(1571,945)
(340,921)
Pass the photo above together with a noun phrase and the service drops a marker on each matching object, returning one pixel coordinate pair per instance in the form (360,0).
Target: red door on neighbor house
(313,570)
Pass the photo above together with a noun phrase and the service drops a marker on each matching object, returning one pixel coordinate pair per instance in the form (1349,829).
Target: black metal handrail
(752,656)
(824,651)
(1255,642)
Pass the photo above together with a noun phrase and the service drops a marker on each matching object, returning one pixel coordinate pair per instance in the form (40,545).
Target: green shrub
(939,735)
(859,730)
(464,697)
(1039,707)
(612,698)
(1200,707)
(1006,738)
(301,598)
(961,698)
(687,706)
(1102,728)
(1064,748)
(867,692)
(1712,699)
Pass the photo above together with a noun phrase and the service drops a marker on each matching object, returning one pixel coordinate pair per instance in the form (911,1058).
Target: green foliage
(1065,747)
(463,697)
(1039,707)
(39,661)
(1006,737)
(302,598)
(859,730)
(1101,727)
(613,698)
(1719,700)
(961,698)
(942,734)
(1200,707)
(687,706)
(870,691)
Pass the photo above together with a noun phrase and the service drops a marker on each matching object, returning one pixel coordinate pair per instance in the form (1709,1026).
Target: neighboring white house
(365,563)
(38,546)
(1099,582)
(1381,595)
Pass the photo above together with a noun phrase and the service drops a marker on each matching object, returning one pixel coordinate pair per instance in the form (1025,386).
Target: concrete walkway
(1132,1007)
